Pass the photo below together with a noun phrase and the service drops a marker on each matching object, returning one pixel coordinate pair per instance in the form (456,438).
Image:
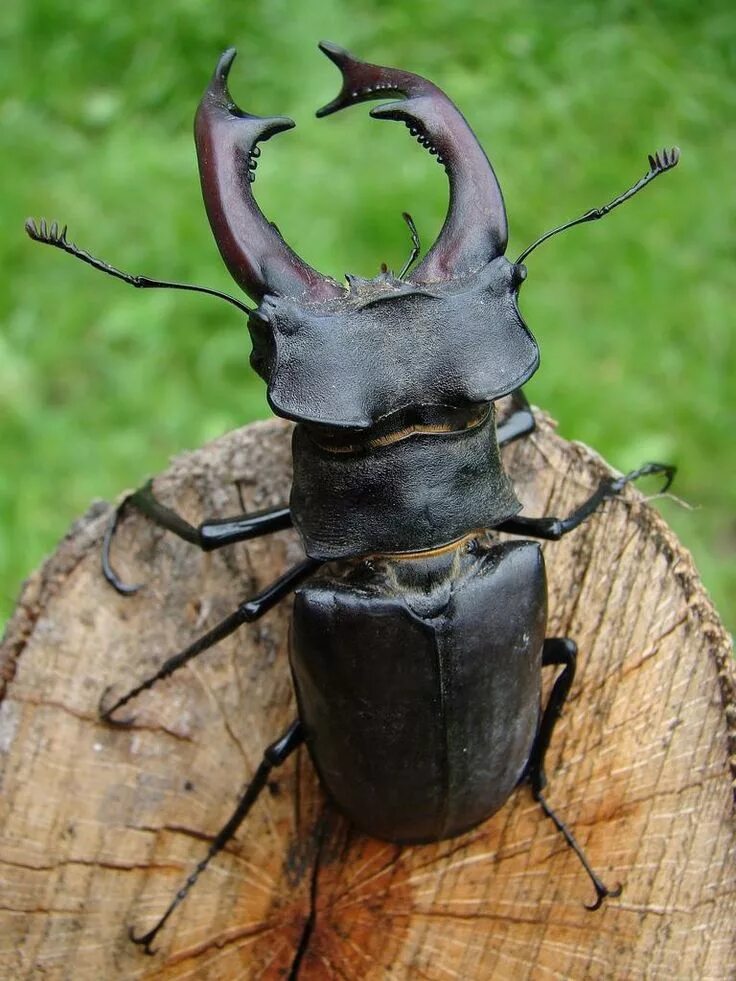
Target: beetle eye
(518,274)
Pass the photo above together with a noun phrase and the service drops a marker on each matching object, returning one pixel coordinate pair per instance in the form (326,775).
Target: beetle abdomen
(418,685)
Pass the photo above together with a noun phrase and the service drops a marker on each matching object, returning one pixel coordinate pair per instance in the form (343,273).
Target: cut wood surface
(100,826)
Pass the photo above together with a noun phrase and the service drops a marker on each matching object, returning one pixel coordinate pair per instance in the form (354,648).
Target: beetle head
(449,333)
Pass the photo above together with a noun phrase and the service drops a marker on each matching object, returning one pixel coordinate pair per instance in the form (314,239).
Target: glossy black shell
(418,683)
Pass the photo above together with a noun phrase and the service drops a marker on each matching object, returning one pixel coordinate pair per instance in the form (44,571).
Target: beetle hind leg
(275,754)
(560,652)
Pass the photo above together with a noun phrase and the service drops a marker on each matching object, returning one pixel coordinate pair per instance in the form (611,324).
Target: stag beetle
(417,653)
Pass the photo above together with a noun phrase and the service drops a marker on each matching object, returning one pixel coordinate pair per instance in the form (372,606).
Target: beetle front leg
(553,529)
(209,535)
(560,651)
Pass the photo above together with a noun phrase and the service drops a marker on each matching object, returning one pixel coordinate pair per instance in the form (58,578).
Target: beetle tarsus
(145,939)
(646,470)
(105,714)
(602,891)
(107,570)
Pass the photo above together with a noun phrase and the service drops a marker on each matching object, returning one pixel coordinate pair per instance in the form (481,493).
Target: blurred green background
(101,384)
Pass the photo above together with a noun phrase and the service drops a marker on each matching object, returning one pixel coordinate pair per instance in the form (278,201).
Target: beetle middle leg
(275,754)
(560,652)
(247,612)
(209,535)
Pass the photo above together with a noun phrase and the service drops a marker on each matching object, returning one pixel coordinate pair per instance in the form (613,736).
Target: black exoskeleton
(417,673)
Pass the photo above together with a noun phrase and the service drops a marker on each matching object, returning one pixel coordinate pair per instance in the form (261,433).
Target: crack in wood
(94,719)
(214,700)
(95,863)
(311,920)
(223,940)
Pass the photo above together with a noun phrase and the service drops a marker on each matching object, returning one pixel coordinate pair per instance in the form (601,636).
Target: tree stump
(101,825)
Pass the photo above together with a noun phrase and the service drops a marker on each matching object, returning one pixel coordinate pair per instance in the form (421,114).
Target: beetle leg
(275,754)
(247,612)
(560,651)
(209,535)
(554,528)
(519,422)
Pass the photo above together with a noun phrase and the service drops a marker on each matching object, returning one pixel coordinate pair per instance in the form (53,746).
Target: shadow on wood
(100,826)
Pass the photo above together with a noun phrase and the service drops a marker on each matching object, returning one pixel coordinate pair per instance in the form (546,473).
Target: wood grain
(100,826)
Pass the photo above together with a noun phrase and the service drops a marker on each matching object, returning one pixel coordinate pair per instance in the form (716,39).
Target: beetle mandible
(418,672)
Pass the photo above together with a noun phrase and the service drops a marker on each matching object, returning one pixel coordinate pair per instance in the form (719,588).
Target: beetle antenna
(415,246)
(659,163)
(54,236)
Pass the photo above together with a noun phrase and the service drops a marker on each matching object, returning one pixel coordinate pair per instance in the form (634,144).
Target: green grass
(100,384)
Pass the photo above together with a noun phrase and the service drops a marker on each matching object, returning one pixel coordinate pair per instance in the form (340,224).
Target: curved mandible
(475,229)
(227,148)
